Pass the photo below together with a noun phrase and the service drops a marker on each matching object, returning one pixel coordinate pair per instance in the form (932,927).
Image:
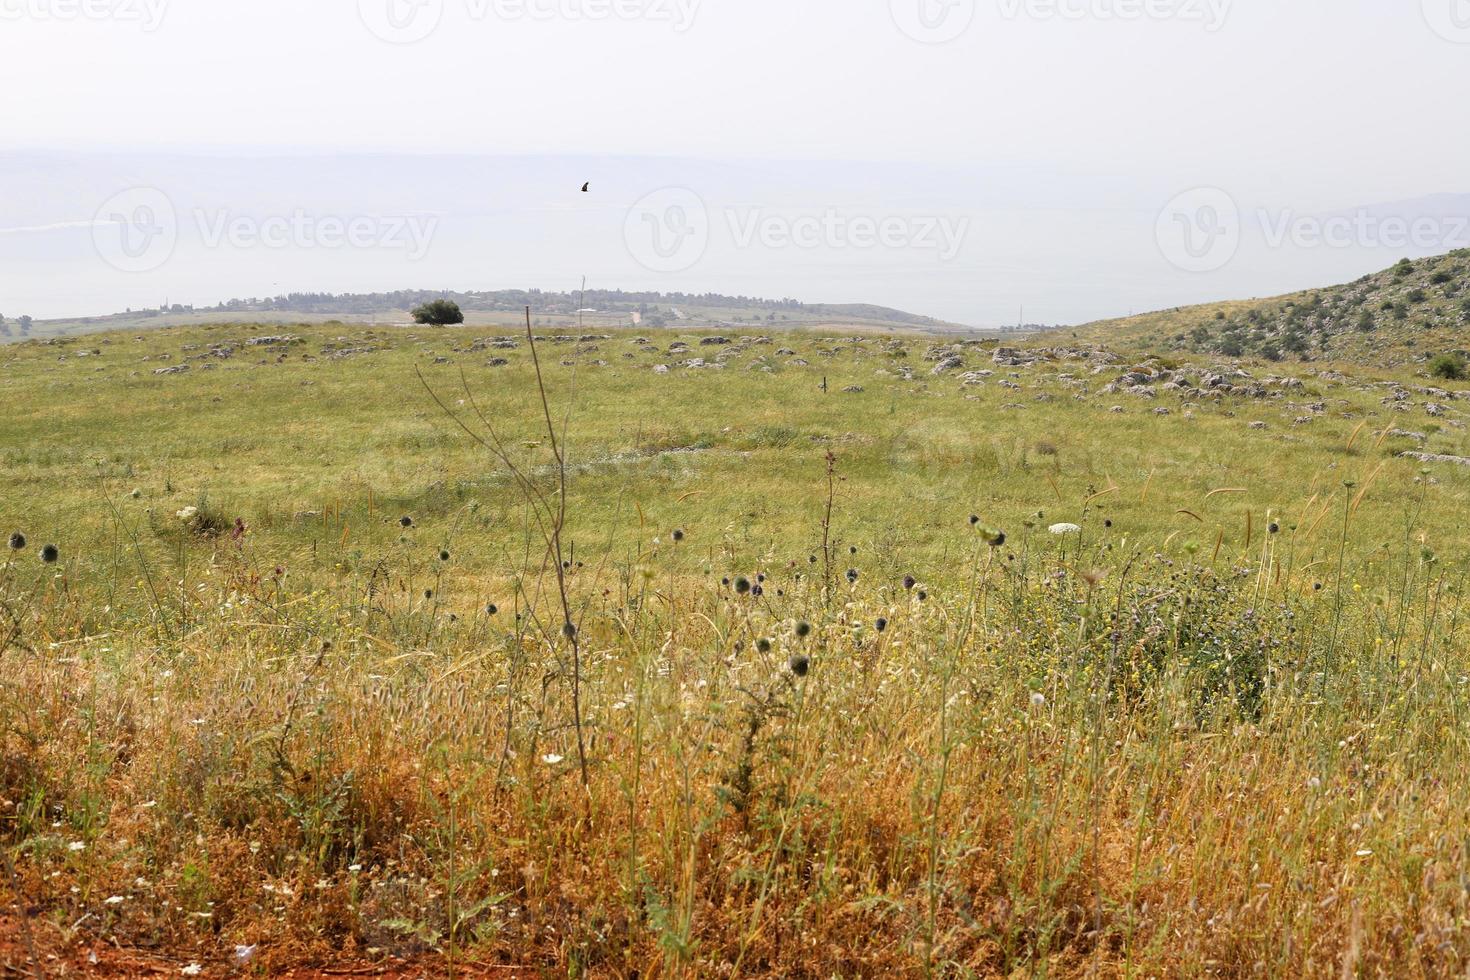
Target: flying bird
(586,186)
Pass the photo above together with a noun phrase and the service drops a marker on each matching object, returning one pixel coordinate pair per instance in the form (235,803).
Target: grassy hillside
(1403,315)
(775,655)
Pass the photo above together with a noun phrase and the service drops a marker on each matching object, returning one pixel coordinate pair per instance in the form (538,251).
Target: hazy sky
(971,152)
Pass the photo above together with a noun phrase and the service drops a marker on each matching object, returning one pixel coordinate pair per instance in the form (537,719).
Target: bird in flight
(586,186)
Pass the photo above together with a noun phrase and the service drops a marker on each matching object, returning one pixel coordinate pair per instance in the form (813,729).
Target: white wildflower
(553,759)
(1065,529)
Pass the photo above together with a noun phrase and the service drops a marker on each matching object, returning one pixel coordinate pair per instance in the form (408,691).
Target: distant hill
(1406,313)
(600,308)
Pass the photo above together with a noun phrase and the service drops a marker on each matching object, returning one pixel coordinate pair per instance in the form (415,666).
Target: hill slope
(1407,313)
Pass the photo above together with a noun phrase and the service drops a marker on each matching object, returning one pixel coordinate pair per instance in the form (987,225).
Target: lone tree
(438,313)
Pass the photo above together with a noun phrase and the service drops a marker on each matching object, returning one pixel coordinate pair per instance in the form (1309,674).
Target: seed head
(742,585)
(17,541)
(444,554)
(881,624)
(852,575)
(763,645)
(492,609)
(49,554)
(569,630)
(803,629)
(909,582)
(678,534)
(800,664)
(405,521)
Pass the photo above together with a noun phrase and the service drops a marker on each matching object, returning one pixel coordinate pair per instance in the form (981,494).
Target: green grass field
(320,676)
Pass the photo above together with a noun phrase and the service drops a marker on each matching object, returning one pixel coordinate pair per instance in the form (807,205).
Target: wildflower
(1060,529)
(1038,700)
(17,541)
(909,582)
(852,550)
(569,630)
(492,609)
(800,664)
(428,593)
(803,629)
(444,554)
(742,585)
(1094,576)
(76,846)
(922,595)
(49,554)
(244,954)
(881,624)
(405,521)
(678,534)
(1274,528)
(192,970)
(136,493)
(552,759)
(113,900)
(187,514)
(763,645)
(852,575)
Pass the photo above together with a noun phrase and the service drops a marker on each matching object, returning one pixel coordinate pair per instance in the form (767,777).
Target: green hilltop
(1403,315)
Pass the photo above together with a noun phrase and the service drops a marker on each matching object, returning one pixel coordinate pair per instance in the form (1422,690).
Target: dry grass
(1065,755)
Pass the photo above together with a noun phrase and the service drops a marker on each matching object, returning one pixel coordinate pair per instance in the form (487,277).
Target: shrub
(1447,367)
(438,313)
(1417,296)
